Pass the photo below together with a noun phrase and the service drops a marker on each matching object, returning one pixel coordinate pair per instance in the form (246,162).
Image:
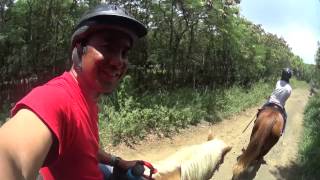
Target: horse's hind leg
(271,140)
(267,146)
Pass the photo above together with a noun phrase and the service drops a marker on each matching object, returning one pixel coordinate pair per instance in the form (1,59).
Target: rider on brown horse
(280,95)
(268,127)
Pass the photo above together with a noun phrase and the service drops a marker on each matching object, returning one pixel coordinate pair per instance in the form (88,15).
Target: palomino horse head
(193,162)
(265,134)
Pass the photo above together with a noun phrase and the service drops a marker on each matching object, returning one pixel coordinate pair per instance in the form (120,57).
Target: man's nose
(116,60)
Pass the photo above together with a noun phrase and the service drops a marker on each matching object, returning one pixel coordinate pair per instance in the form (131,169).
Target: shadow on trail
(291,172)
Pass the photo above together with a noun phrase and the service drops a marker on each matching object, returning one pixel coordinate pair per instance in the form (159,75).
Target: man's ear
(84,50)
(77,56)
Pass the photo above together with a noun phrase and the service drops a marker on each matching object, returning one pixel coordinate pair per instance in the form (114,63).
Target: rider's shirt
(281,93)
(73,120)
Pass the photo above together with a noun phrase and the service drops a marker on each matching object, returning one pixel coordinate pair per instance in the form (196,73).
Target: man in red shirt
(54,128)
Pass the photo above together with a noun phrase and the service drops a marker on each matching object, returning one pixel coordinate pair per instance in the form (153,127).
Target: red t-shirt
(73,120)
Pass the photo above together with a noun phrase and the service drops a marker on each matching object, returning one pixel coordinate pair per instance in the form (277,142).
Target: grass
(309,152)
(298,84)
(164,113)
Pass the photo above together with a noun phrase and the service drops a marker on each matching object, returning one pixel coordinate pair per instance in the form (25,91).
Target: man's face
(105,61)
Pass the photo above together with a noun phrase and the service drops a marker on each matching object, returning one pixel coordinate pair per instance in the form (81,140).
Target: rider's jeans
(106,171)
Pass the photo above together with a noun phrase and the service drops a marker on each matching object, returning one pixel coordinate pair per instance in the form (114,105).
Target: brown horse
(265,134)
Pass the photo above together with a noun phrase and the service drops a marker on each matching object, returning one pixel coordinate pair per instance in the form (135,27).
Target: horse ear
(210,135)
(226,150)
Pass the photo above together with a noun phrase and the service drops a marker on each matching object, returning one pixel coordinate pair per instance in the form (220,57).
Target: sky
(297,21)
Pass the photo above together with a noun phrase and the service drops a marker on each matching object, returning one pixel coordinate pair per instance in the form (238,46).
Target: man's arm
(24,144)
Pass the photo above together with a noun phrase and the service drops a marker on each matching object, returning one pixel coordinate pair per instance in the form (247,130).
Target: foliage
(190,44)
(310,143)
(4,113)
(167,112)
(316,72)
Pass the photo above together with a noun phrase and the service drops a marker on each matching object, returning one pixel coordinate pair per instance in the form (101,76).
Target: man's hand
(121,170)
(125,165)
(107,158)
(120,166)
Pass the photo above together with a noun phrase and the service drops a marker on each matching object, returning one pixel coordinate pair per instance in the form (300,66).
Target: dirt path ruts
(280,161)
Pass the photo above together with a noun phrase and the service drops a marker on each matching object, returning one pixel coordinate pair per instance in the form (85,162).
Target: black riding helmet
(107,16)
(286,74)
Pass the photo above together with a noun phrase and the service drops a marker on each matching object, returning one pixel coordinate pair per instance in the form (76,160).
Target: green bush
(310,143)
(237,99)
(126,117)
(4,112)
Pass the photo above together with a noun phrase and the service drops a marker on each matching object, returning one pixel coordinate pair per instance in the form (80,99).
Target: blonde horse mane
(193,162)
(208,157)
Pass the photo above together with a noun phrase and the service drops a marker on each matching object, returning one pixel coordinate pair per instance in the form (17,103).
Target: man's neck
(88,93)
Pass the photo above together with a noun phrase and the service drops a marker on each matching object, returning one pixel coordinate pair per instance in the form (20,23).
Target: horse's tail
(247,157)
(253,150)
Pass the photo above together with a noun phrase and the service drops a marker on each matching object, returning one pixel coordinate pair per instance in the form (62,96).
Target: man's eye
(104,46)
(125,53)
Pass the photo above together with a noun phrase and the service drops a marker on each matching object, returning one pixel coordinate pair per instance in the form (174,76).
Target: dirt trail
(280,161)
